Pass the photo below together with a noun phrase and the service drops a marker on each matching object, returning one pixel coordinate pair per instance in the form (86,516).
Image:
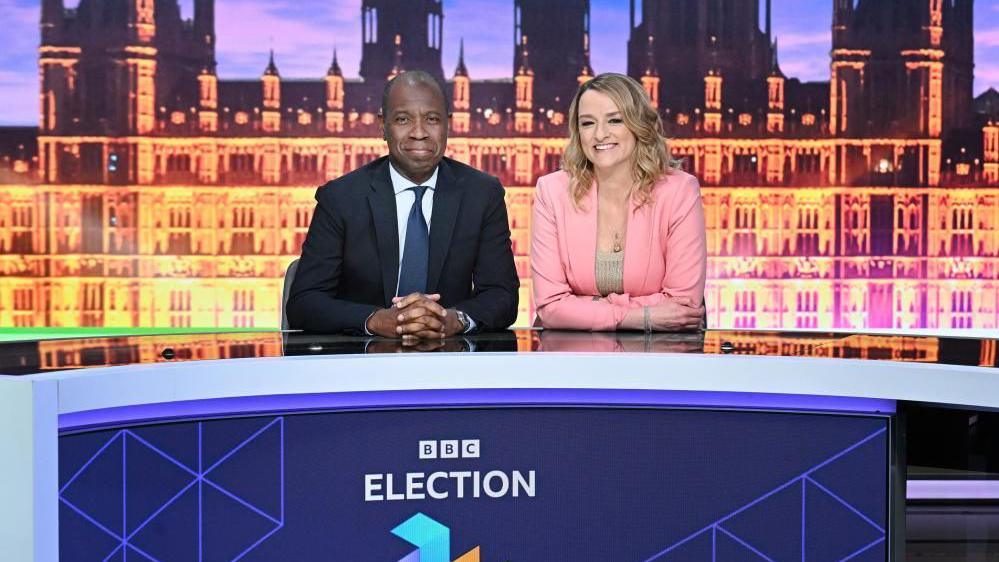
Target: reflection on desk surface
(20,358)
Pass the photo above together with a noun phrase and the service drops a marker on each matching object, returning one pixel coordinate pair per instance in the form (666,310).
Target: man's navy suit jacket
(350,259)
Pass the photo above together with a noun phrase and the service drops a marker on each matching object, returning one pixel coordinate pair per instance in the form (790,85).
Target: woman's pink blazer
(665,253)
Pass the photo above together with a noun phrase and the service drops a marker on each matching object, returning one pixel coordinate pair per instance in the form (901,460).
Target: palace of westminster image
(153,193)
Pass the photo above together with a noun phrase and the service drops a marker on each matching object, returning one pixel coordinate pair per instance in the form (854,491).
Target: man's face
(415,126)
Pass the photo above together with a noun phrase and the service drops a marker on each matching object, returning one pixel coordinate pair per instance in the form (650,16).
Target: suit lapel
(638,247)
(581,230)
(381,199)
(447,202)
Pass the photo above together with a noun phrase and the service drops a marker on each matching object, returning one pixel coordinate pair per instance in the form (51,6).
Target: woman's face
(607,141)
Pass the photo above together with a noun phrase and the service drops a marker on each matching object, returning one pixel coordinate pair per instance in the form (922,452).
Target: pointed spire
(52,11)
(586,69)
(52,17)
(650,58)
(204,22)
(334,66)
(774,64)
(713,52)
(461,70)
(650,76)
(524,64)
(271,69)
(397,68)
(841,12)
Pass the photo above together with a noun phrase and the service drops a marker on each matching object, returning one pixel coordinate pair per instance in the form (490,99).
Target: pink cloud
(487,28)
(987,37)
(796,39)
(18,63)
(804,68)
(246,30)
(19,93)
(18,20)
(609,38)
(987,74)
(14,14)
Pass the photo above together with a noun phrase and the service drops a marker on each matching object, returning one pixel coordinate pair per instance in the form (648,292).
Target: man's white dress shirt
(404,199)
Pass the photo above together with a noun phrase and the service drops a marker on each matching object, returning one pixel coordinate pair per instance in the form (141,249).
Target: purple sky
(303,32)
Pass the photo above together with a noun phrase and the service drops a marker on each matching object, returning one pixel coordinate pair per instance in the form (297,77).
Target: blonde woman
(618,238)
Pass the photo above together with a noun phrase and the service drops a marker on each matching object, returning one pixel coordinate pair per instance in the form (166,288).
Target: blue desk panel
(525,484)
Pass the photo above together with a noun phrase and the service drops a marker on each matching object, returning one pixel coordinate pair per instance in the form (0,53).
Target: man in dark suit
(372,261)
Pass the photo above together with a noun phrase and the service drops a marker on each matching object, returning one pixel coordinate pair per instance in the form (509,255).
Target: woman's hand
(675,314)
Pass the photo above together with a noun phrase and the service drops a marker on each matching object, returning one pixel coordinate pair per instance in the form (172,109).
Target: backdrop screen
(492,484)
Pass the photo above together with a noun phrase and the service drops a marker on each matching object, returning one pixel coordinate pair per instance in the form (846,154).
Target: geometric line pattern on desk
(200,480)
(807,487)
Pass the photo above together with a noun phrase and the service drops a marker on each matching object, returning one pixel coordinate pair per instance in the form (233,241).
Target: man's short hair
(414,77)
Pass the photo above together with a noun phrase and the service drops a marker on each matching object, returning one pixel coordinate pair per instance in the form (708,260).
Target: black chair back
(289,278)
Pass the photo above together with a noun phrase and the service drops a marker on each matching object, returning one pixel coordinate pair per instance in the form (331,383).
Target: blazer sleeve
(494,301)
(686,245)
(558,307)
(313,303)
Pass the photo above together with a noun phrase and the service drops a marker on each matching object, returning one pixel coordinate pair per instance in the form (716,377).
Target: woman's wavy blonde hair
(651,159)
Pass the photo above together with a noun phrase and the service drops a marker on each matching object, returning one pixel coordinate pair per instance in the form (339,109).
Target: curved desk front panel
(500,483)
(288,453)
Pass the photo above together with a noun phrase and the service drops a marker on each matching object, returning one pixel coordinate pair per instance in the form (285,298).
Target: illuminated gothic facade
(168,197)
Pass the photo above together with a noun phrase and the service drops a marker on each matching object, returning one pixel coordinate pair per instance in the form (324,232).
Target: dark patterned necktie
(416,252)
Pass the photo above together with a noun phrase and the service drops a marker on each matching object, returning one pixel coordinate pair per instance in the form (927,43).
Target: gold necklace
(617,240)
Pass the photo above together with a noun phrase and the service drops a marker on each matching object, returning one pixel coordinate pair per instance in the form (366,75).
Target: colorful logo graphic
(431,539)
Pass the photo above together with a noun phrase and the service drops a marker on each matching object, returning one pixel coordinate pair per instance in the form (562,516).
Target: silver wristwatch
(463,318)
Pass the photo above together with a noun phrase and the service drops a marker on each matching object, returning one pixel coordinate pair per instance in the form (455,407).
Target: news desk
(520,446)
